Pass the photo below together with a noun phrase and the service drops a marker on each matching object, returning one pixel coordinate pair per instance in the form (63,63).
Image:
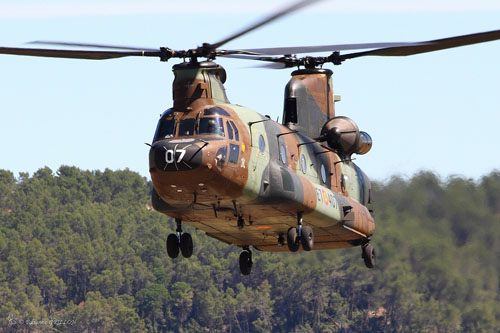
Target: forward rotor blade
(99,46)
(283,12)
(91,55)
(428,46)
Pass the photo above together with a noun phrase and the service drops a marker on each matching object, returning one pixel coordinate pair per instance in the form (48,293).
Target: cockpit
(213,121)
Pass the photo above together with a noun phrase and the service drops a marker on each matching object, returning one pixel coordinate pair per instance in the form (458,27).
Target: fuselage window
(234,151)
(236,134)
(186,127)
(303,164)
(211,126)
(342,182)
(229,131)
(262,144)
(283,154)
(323,174)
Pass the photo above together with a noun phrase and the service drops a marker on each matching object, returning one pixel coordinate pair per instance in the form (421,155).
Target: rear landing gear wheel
(368,255)
(292,239)
(186,245)
(246,262)
(307,238)
(172,246)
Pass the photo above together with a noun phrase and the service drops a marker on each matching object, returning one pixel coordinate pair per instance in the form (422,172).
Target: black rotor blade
(428,46)
(99,46)
(322,48)
(284,11)
(272,65)
(75,54)
(248,57)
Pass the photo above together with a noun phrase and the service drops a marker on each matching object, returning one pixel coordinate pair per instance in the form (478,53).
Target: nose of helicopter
(176,155)
(180,168)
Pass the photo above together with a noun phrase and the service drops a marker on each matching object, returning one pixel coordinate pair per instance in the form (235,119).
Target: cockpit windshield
(211,125)
(210,121)
(215,111)
(186,127)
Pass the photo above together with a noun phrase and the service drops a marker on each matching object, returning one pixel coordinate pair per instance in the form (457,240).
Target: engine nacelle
(342,134)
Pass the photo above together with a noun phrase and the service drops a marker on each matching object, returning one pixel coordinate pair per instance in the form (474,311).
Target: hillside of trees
(84,251)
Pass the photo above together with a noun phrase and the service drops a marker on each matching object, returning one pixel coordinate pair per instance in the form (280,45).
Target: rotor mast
(197,84)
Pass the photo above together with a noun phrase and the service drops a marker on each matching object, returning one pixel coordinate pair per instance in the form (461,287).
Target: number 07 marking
(170,155)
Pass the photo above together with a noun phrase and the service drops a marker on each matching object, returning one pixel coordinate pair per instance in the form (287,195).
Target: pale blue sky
(438,111)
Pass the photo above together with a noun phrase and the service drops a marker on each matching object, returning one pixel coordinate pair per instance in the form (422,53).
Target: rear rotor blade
(284,11)
(74,54)
(429,46)
(388,49)
(323,48)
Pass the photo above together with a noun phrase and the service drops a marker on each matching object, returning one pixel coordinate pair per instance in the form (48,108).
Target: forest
(84,251)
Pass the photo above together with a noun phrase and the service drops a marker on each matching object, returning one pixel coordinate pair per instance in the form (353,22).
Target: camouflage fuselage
(250,166)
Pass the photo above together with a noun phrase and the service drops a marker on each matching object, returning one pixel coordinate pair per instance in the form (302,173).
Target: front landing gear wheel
(368,255)
(172,246)
(186,245)
(292,239)
(246,262)
(307,238)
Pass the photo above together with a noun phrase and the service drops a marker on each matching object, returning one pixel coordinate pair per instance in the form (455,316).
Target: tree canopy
(84,250)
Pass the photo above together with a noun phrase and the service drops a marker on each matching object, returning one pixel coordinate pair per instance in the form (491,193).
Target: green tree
(85,247)
(153,303)
(182,295)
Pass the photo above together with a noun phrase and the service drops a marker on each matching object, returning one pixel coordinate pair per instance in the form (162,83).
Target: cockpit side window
(236,134)
(166,129)
(166,126)
(186,127)
(229,130)
(211,125)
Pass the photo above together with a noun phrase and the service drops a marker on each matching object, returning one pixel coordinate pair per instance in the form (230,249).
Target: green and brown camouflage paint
(279,172)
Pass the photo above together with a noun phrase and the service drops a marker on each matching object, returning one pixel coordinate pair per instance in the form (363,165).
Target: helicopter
(248,180)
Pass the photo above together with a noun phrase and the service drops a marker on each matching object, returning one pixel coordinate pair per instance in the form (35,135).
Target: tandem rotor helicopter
(245,179)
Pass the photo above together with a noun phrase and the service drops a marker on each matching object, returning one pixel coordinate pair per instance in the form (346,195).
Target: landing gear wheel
(307,238)
(292,239)
(186,245)
(368,255)
(246,262)
(172,246)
